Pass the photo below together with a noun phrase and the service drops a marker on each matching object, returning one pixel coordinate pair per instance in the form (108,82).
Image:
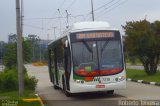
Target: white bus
(88,57)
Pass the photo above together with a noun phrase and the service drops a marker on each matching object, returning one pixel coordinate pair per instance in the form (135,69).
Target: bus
(87,57)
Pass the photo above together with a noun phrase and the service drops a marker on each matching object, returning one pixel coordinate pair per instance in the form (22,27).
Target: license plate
(100,86)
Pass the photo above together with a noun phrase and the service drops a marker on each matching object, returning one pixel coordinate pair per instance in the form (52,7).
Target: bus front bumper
(79,88)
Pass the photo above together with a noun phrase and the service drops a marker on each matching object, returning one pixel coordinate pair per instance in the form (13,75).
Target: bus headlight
(121,78)
(78,81)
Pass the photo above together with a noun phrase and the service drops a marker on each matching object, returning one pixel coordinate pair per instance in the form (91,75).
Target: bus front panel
(97,59)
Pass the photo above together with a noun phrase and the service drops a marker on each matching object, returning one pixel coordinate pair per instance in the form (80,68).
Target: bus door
(51,65)
(56,67)
(67,63)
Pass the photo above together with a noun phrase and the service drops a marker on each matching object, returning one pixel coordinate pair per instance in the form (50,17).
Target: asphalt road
(51,97)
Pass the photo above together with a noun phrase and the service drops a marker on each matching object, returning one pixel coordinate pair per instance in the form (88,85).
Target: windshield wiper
(87,46)
(104,46)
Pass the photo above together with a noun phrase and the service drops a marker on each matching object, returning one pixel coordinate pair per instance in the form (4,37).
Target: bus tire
(55,87)
(110,92)
(64,89)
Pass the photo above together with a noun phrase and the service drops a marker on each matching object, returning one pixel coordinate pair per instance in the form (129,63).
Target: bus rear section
(98,62)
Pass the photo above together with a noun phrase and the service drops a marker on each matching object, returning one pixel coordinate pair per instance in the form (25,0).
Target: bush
(0,80)
(9,80)
(14,69)
(30,82)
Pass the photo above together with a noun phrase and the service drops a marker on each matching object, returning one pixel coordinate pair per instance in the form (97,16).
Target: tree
(10,57)
(2,51)
(142,40)
(35,46)
(27,51)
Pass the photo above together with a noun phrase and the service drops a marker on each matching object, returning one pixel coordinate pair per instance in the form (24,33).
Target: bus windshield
(94,57)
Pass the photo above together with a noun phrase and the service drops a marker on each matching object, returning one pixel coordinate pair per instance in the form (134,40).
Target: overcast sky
(40,16)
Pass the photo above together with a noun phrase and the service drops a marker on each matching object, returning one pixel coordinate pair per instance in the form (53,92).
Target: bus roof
(86,26)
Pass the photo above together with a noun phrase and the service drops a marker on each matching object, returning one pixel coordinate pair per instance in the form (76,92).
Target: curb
(144,82)
(34,99)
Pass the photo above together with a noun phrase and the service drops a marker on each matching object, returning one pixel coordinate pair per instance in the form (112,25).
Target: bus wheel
(55,87)
(110,92)
(65,91)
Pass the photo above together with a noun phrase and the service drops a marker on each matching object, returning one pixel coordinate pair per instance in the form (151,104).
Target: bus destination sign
(90,35)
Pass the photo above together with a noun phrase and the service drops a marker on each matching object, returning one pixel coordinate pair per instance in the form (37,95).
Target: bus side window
(60,56)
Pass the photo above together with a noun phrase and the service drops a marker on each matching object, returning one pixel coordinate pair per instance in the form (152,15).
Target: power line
(60,17)
(103,5)
(43,18)
(62,4)
(52,18)
(58,8)
(32,26)
(80,15)
(71,4)
(118,5)
(111,7)
(66,11)
(98,8)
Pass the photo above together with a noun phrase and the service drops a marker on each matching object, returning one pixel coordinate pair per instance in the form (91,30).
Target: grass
(141,75)
(14,98)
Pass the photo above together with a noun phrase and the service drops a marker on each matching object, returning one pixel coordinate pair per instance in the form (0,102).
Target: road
(134,91)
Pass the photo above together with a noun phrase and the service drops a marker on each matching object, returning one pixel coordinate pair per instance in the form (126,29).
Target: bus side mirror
(66,43)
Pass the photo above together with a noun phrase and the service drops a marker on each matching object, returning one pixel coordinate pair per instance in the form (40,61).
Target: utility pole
(22,16)
(19,49)
(92,10)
